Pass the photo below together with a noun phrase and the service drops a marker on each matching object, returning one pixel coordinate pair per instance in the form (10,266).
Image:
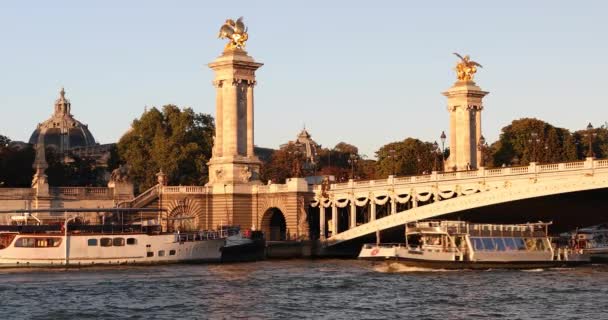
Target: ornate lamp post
(482,146)
(352,160)
(443,137)
(435,152)
(590,135)
(515,160)
(392,155)
(534,140)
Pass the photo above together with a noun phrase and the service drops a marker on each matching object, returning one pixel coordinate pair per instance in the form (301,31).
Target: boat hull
(482,265)
(253,251)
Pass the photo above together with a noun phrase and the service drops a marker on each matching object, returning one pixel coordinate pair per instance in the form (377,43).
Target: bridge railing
(533,168)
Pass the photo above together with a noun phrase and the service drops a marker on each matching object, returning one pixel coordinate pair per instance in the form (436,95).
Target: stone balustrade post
(532,168)
(433,175)
(334,219)
(372,209)
(481,172)
(322,232)
(589,163)
(561,166)
(353,214)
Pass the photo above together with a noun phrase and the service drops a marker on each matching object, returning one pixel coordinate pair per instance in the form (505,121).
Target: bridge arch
(274,224)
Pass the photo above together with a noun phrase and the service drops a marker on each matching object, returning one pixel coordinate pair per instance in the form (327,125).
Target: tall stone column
(233,160)
(465,105)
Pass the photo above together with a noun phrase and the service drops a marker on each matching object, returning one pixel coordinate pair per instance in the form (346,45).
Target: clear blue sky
(364,72)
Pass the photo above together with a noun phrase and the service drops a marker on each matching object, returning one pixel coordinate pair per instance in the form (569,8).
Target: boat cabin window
(131,241)
(431,239)
(413,240)
(161,253)
(118,242)
(507,244)
(519,243)
(37,242)
(171,252)
(150,254)
(92,242)
(477,244)
(488,244)
(105,242)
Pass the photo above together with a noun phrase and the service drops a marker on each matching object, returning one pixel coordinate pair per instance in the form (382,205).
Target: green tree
(4,141)
(177,141)
(408,157)
(528,139)
(15,165)
(599,141)
(72,170)
(282,165)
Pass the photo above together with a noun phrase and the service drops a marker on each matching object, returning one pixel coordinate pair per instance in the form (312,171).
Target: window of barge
(105,242)
(92,242)
(131,241)
(27,242)
(118,242)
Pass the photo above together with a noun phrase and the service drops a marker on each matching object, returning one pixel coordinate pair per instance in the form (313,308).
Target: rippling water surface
(300,289)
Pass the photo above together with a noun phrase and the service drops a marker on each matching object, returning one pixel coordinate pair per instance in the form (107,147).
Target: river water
(302,289)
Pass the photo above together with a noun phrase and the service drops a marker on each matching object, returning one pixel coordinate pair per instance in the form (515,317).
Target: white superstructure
(57,249)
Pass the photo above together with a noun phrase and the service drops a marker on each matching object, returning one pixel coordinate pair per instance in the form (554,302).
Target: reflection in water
(336,289)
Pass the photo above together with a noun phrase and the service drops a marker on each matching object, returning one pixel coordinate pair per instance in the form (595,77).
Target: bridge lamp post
(392,155)
(534,140)
(443,137)
(515,160)
(435,152)
(352,160)
(482,146)
(590,135)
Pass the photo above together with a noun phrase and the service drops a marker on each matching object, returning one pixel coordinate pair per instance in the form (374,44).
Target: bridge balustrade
(411,192)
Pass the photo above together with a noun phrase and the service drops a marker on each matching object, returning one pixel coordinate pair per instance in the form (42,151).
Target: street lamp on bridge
(482,146)
(590,135)
(392,155)
(352,160)
(435,152)
(533,141)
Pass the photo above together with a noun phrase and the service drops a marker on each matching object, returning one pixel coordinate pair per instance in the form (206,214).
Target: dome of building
(62,131)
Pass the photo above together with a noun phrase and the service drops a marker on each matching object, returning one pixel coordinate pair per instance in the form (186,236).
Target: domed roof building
(62,131)
(69,137)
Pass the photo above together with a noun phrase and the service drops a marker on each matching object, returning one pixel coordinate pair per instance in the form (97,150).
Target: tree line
(179,142)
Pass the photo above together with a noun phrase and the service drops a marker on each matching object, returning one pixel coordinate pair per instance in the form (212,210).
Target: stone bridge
(372,206)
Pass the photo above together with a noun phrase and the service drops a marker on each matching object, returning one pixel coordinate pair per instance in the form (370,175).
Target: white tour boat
(26,245)
(462,245)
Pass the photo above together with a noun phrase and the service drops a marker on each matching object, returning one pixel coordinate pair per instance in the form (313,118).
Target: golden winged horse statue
(235,32)
(466,68)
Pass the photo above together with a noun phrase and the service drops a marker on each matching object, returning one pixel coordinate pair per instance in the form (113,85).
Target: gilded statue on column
(466,68)
(235,32)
